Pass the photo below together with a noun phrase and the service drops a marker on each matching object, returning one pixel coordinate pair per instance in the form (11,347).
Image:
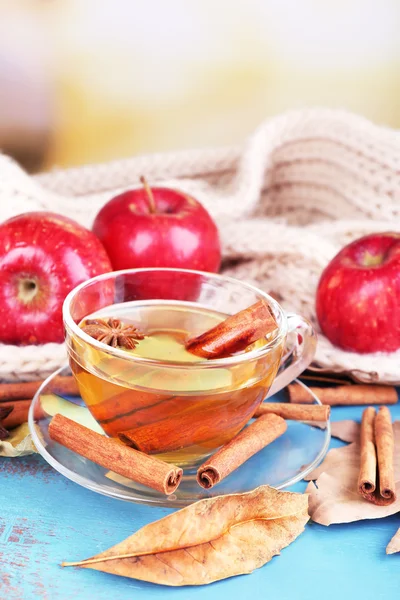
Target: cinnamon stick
(384,441)
(235,333)
(248,442)
(114,456)
(376,477)
(133,408)
(17,415)
(344,395)
(294,412)
(186,429)
(65,385)
(27,389)
(325,378)
(368,461)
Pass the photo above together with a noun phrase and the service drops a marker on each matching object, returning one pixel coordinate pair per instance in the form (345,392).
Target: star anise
(113,332)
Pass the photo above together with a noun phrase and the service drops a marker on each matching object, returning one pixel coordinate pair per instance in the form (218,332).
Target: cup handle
(301,343)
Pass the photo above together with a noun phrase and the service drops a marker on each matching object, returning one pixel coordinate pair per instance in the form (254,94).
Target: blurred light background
(91,80)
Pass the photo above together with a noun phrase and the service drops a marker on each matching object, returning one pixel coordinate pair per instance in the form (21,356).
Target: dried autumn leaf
(347,431)
(19,443)
(394,544)
(210,540)
(334,498)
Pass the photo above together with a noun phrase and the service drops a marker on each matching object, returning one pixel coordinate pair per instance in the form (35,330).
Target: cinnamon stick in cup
(294,412)
(114,456)
(344,395)
(376,478)
(187,428)
(248,442)
(235,333)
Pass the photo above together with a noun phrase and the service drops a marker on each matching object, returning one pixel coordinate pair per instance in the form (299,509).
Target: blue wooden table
(45,519)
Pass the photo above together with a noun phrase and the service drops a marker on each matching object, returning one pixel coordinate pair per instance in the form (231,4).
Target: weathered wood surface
(45,518)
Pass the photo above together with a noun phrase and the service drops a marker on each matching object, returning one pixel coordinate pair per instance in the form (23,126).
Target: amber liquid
(182,413)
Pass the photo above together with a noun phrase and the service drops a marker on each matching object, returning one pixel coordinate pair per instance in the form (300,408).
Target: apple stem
(152,204)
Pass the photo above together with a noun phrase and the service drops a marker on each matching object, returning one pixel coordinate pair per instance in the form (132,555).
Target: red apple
(358,295)
(158,227)
(42,257)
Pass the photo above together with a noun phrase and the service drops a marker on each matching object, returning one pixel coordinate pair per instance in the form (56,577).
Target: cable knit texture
(303,185)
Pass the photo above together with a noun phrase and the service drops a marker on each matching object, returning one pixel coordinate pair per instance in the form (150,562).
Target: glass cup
(180,408)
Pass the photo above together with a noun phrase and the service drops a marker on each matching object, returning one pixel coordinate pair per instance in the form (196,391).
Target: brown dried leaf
(334,498)
(347,431)
(210,540)
(394,544)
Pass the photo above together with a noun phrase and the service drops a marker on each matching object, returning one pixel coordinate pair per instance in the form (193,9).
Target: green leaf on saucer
(53,404)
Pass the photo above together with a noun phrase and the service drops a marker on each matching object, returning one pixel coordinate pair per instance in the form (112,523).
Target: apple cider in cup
(168,403)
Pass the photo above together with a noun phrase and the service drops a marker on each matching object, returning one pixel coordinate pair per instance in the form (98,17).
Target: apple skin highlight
(358,295)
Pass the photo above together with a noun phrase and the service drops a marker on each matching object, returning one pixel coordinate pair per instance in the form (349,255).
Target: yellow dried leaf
(19,443)
(394,544)
(210,540)
(334,498)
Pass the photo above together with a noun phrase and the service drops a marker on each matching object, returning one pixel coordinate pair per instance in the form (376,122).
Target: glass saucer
(284,462)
